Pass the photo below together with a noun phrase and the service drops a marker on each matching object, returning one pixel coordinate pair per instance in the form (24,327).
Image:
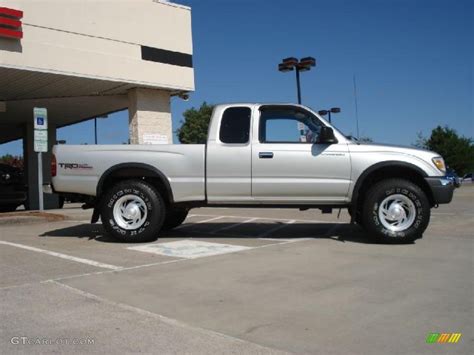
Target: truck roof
(259,104)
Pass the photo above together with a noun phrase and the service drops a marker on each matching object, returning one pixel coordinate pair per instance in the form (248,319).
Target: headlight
(439,163)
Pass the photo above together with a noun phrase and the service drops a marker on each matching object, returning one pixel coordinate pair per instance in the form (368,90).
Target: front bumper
(441,188)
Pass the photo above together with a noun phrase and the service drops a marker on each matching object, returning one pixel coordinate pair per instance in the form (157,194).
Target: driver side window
(288,125)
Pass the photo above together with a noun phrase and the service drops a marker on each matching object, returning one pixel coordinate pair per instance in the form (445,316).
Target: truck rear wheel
(174,218)
(396,211)
(133,211)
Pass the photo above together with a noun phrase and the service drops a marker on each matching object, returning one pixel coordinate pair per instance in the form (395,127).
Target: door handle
(265,155)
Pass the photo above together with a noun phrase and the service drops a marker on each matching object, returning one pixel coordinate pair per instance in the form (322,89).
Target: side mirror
(326,136)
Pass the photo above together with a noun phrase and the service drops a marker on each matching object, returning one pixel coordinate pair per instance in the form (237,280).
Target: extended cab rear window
(235,125)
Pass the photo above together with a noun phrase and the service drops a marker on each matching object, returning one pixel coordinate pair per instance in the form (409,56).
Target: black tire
(61,201)
(396,187)
(357,217)
(152,211)
(174,218)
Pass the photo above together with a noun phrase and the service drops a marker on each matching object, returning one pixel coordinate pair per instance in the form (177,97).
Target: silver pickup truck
(257,155)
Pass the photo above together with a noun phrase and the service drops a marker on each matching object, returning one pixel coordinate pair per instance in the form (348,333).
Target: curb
(28,217)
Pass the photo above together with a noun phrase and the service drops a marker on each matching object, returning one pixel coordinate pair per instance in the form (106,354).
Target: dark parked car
(468,178)
(451,175)
(12,188)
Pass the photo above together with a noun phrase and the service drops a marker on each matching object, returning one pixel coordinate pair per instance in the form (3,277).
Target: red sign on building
(10,24)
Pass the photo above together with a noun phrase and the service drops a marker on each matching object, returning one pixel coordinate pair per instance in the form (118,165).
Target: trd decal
(66,166)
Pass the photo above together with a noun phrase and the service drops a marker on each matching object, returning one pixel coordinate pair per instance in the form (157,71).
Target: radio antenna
(356,108)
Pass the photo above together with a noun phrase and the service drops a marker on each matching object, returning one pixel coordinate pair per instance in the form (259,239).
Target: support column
(31,167)
(149,116)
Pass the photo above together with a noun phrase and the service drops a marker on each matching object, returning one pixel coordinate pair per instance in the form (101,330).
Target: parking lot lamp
(292,63)
(328,112)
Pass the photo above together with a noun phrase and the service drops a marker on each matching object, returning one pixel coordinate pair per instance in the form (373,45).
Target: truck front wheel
(133,211)
(396,211)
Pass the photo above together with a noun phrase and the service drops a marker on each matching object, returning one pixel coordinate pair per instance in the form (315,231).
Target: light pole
(290,64)
(95,130)
(95,126)
(328,112)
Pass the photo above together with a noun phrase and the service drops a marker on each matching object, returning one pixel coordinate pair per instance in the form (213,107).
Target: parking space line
(270,219)
(129,268)
(233,225)
(241,217)
(115,271)
(63,256)
(180,260)
(199,222)
(282,239)
(274,229)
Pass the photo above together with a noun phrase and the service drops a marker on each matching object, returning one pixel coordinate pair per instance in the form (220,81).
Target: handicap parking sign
(40,118)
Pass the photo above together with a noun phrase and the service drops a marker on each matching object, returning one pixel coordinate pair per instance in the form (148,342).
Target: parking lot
(238,281)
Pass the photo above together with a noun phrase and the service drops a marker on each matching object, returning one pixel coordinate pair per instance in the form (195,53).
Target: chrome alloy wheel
(397,212)
(130,212)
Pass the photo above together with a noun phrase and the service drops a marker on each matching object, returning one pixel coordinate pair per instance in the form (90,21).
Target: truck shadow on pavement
(334,231)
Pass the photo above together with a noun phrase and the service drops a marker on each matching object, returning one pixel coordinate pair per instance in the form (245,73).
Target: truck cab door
(290,165)
(228,159)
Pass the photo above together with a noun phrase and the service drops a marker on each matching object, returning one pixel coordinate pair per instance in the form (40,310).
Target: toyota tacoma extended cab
(257,155)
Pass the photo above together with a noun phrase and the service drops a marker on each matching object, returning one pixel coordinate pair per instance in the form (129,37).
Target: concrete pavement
(297,282)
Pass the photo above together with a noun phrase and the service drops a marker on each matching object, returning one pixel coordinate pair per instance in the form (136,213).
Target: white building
(81,59)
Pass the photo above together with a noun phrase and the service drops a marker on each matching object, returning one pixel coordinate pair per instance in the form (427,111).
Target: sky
(412,60)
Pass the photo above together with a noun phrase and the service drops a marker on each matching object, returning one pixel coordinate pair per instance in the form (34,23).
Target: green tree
(457,151)
(194,127)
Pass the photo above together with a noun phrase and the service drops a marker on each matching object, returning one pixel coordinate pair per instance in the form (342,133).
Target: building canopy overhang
(81,64)
(69,99)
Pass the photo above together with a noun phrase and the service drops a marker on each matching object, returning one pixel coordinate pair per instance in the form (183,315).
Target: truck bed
(81,166)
